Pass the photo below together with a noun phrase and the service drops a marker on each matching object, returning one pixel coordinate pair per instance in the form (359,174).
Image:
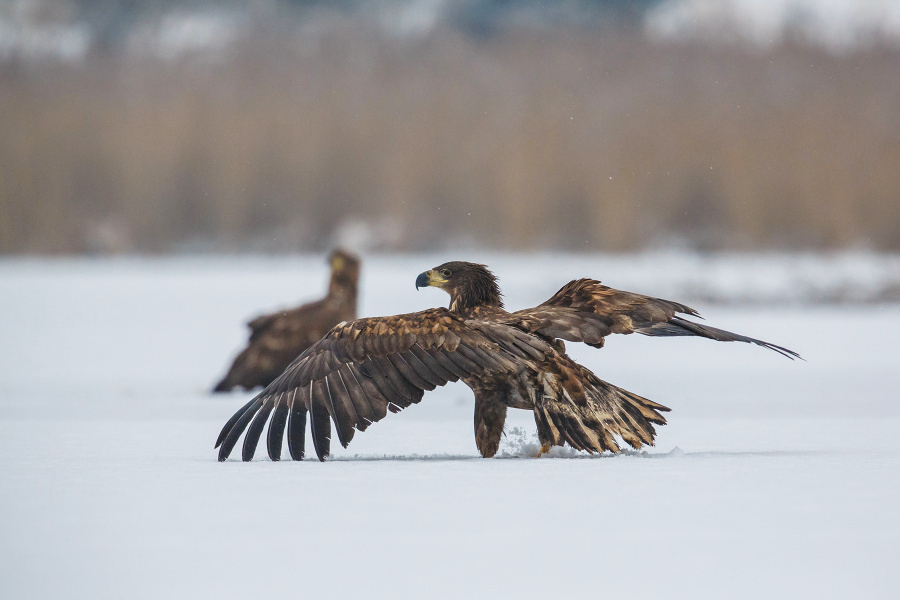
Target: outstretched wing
(584,310)
(362,369)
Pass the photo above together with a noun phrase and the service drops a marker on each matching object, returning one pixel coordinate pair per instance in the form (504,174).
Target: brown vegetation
(550,139)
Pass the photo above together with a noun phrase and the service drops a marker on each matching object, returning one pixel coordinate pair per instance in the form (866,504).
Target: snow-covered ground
(773,478)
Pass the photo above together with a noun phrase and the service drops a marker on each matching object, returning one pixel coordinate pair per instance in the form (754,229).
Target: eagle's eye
(445,273)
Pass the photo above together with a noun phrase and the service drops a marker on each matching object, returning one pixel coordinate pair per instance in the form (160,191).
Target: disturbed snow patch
(520,443)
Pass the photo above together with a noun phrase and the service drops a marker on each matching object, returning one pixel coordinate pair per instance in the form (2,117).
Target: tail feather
(250,370)
(224,385)
(574,406)
(236,376)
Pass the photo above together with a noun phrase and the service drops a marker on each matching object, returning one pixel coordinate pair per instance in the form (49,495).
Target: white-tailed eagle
(278,338)
(361,370)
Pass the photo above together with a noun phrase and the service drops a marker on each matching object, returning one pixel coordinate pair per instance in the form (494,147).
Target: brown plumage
(278,338)
(362,369)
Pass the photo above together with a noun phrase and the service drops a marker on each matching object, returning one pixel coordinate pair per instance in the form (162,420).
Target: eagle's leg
(544,438)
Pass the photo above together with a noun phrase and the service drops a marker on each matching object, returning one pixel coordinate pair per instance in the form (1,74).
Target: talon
(545,448)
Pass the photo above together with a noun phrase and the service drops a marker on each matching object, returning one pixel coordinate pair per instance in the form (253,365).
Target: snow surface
(773,478)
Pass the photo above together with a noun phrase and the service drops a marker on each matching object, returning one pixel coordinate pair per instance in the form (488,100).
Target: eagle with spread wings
(363,369)
(277,339)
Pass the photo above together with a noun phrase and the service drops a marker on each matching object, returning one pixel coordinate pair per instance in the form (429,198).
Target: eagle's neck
(476,292)
(343,287)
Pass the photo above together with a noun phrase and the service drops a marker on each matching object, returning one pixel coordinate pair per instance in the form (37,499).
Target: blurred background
(198,126)
(171,168)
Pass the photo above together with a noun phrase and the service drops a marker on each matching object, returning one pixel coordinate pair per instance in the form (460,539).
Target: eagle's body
(277,339)
(362,369)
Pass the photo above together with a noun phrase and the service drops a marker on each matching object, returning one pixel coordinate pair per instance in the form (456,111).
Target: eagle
(277,339)
(363,369)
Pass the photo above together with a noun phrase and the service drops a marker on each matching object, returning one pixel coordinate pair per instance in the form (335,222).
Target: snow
(773,478)
(840,25)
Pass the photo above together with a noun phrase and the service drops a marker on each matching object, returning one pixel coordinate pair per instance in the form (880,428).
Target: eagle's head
(468,284)
(344,270)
